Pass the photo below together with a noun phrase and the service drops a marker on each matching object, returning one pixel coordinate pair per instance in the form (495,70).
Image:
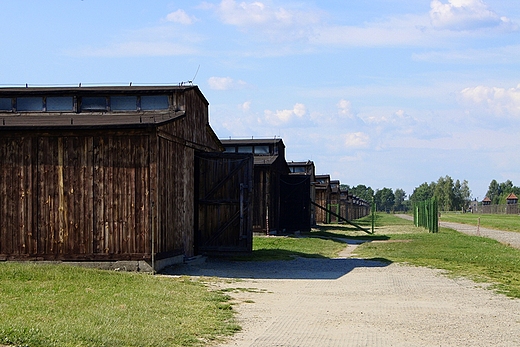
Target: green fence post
(373,214)
(426,215)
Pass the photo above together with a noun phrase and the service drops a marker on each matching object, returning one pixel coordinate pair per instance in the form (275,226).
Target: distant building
(323,197)
(512,204)
(269,167)
(512,199)
(298,191)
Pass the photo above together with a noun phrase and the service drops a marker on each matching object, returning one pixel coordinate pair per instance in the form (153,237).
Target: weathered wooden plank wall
(224,202)
(334,204)
(177,143)
(16,182)
(102,194)
(75,197)
(175,206)
(260,203)
(322,199)
(266,214)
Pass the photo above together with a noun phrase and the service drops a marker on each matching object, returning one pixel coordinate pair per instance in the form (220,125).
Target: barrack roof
(250,141)
(10,121)
(16,91)
(86,121)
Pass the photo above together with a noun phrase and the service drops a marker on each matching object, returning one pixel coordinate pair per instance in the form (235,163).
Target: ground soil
(354,302)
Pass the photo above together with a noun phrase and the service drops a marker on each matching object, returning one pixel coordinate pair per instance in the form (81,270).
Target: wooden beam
(341,218)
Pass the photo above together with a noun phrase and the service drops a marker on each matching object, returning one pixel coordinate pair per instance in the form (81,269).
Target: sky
(385,93)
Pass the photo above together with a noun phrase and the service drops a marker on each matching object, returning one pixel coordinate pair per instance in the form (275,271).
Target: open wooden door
(295,206)
(223,198)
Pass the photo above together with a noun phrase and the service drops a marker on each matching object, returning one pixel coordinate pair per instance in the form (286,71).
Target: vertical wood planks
(89,193)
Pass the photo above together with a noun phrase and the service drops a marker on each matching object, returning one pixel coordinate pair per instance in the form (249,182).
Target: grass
(506,222)
(480,259)
(267,248)
(49,305)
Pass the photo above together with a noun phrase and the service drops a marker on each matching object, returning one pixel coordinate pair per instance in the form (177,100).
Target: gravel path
(355,302)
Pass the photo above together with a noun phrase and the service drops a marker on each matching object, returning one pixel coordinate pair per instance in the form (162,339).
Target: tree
(444,192)
(362,192)
(400,197)
(505,189)
(384,199)
(498,192)
(450,195)
(462,195)
(422,193)
(493,192)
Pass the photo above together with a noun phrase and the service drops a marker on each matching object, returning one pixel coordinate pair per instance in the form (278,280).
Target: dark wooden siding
(110,191)
(177,143)
(322,199)
(193,130)
(74,197)
(334,204)
(175,199)
(267,199)
(224,202)
(16,201)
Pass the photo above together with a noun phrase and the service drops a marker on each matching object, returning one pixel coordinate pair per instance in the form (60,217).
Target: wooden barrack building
(269,168)
(110,174)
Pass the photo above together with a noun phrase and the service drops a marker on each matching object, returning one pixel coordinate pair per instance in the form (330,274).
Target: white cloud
(283,117)
(225,83)
(356,140)
(266,21)
(308,26)
(499,101)
(343,118)
(245,107)
(299,110)
(403,30)
(464,15)
(246,14)
(344,107)
(180,17)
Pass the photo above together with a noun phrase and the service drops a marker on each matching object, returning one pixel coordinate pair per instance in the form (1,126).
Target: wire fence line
(496,209)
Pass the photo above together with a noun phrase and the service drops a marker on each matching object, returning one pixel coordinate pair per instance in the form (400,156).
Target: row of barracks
(134,177)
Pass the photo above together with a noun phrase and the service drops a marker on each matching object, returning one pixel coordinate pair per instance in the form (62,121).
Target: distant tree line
(385,199)
(452,195)
(498,192)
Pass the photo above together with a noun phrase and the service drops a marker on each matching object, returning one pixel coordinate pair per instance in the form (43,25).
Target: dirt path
(354,302)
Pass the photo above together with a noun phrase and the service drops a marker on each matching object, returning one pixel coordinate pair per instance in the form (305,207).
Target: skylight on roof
(60,103)
(25,104)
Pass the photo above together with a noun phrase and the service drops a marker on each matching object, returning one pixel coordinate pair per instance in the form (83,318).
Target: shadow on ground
(298,268)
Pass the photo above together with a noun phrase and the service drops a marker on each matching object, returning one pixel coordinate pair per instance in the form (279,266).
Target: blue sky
(386,93)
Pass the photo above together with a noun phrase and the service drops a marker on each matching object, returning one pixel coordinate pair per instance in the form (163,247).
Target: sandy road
(354,302)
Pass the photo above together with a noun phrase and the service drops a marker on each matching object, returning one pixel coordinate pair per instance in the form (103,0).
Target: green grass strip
(506,222)
(48,305)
